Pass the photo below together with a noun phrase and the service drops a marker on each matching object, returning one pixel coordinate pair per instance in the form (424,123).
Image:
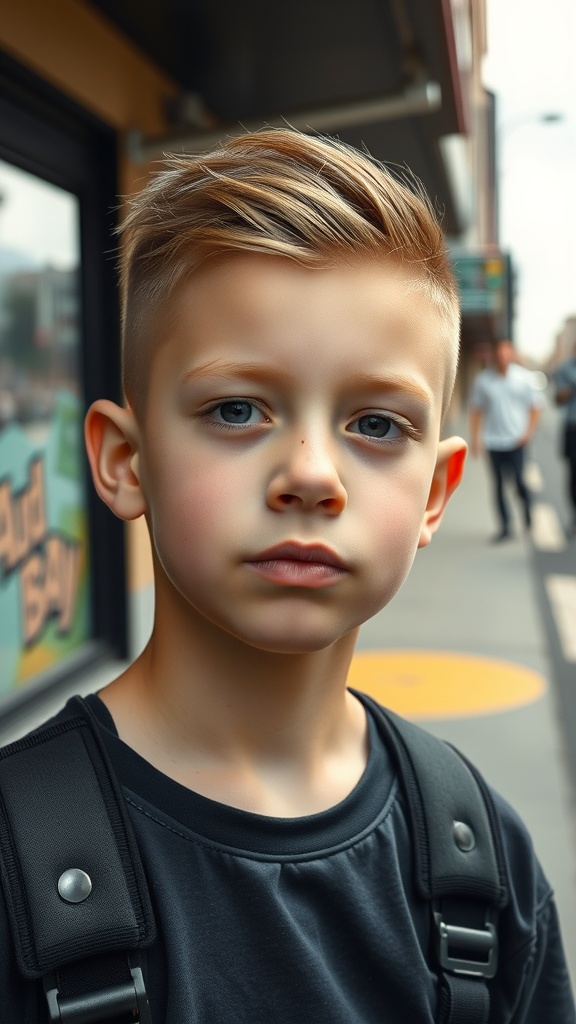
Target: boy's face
(288,446)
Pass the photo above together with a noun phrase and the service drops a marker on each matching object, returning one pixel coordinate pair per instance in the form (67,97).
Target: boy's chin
(296,642)
(295,631)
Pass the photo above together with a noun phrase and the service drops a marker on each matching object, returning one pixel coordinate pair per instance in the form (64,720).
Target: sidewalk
(467,596)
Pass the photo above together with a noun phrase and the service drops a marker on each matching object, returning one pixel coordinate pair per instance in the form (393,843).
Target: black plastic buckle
(454,942)
(127,1002)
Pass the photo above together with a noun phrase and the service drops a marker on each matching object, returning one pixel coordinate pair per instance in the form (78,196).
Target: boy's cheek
(191,507)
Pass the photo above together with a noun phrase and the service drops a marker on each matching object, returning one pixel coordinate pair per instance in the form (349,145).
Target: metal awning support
(422,96)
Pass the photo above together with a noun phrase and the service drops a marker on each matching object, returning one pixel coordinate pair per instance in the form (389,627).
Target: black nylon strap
(463,1000)
(89,975)
(61,808)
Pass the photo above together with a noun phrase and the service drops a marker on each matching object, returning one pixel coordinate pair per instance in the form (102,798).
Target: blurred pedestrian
(565,395)
(505,407)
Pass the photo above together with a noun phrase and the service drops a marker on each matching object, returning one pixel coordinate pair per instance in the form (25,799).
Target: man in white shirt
(505,407)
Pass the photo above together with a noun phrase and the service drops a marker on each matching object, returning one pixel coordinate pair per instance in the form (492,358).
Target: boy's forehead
(254,287)
(237,301)
(255,281)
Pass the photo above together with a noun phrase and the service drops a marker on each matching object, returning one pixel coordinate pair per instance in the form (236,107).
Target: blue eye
(236,412)
(376,425)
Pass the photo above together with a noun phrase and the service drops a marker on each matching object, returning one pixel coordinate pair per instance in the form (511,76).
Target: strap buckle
(125,1002)
(463,950)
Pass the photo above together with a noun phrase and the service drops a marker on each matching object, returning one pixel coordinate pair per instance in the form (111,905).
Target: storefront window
(44,566)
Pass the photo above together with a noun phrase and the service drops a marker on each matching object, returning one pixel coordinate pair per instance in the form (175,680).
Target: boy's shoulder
(436,777)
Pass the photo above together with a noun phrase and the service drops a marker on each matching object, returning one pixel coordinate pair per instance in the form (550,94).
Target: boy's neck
(276,734)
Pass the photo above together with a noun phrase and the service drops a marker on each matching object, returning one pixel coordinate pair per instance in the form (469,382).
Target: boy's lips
(299,565)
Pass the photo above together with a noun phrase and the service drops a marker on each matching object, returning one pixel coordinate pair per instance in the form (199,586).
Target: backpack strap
(459,862)
(74,884)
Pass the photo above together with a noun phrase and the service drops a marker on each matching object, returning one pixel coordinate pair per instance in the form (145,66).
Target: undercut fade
(278,192)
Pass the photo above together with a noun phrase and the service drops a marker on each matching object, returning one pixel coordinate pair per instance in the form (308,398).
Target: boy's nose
(307,479)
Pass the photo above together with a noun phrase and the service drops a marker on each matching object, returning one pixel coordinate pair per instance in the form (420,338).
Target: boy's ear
(111,435)
(447,476)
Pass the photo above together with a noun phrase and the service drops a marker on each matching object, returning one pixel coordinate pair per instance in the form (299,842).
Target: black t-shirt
(311,920)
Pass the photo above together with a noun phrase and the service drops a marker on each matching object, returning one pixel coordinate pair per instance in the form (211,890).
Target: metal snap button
(464,837)
(74,885)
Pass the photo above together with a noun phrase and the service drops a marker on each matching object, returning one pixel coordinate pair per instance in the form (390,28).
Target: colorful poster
(44,599)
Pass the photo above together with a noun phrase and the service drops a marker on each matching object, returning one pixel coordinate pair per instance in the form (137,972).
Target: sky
(38,221)
(531,67)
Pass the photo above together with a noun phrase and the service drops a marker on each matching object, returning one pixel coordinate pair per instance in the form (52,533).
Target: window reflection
(39,296)
(44,604)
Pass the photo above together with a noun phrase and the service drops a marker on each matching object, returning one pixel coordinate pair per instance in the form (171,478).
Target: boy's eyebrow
(249,371)
(263,373)
(389,382)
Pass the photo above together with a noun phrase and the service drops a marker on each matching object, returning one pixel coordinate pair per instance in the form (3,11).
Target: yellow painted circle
(439,684)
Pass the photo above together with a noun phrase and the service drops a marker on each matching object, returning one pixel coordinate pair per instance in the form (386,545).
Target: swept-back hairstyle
(278,191)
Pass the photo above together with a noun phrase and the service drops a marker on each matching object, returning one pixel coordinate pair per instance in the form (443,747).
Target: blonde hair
(278,191)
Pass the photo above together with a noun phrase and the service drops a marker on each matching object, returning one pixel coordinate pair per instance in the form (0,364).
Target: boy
(290,346)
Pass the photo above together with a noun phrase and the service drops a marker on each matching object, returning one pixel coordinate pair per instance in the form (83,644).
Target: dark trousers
(509,465)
